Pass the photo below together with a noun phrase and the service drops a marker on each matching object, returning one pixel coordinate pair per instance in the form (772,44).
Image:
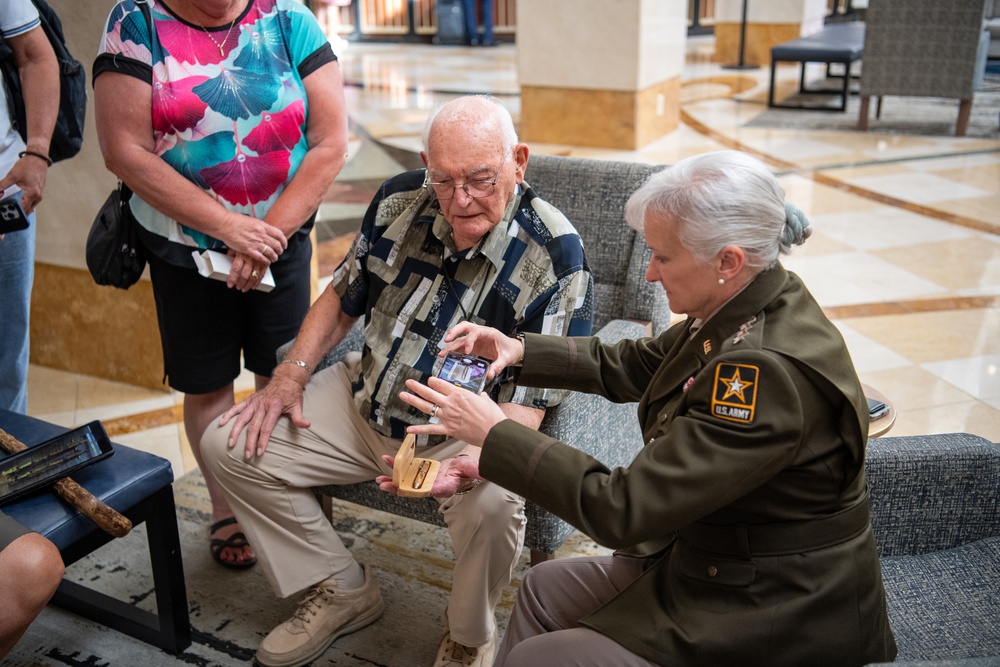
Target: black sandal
(234,541)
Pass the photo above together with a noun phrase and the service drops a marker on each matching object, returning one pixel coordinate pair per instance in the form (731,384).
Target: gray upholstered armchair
(923,48)
(592,194)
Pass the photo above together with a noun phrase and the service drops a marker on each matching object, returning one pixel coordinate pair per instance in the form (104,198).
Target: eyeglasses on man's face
(476,189)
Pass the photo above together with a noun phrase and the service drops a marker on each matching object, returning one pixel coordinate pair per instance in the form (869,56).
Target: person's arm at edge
(39,72)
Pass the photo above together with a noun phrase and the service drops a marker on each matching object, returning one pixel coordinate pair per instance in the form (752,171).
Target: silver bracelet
(475,483)
(297,362)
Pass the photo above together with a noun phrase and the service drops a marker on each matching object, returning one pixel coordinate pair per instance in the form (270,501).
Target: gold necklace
(221,46)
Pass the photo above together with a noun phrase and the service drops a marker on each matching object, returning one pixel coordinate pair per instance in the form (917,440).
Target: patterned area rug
(231,611)
(926,116)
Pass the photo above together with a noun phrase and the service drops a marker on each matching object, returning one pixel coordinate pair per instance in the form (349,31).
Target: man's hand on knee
(259,412)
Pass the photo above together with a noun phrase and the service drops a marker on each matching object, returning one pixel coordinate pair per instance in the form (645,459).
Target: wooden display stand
(413,477)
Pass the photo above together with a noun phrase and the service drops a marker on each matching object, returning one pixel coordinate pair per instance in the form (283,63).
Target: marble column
(769,22)
(602,73)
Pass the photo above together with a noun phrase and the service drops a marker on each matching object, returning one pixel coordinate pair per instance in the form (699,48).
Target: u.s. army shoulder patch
(735,395)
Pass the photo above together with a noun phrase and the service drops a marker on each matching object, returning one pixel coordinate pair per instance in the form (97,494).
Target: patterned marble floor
(905,256)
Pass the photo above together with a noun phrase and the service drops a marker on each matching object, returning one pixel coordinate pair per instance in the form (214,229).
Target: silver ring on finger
(434,410)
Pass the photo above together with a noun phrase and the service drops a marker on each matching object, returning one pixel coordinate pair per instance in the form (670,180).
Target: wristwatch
(520,337)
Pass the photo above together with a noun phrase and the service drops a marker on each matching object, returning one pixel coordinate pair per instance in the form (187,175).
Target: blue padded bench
(841,43)
(140,486)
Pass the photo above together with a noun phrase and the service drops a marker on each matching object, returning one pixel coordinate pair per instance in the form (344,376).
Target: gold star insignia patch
(735,395)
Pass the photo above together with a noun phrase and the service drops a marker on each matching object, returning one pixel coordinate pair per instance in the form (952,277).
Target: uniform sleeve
(698,459)
(125,45)
(619,372)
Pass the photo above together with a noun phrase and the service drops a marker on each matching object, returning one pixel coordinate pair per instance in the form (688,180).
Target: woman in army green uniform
(742,526)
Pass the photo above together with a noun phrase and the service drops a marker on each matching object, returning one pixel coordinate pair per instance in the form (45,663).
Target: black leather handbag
(115,255)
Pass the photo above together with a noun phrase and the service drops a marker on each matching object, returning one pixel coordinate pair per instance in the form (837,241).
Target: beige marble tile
(982,176)
(123,409)
(95,393)
(816,245)
(868,355)
(64,418)
(50,391)
(983,166)
(966,417)
(162,441)
(984,208)
(977,376)
(886,228)
(934,336)
(970,264)
(912,388)
(838,279)
(919,187)
(818,199)
(793,147)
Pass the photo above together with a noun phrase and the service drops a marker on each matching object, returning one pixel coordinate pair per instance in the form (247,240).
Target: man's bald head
(480,116)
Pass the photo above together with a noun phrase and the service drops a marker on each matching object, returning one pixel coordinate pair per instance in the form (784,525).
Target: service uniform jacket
(749,498)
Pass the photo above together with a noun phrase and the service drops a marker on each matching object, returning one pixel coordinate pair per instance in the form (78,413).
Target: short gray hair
(718,199)
(496,113)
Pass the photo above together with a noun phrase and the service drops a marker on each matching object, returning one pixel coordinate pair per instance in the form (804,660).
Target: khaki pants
(545,630)
(296,544)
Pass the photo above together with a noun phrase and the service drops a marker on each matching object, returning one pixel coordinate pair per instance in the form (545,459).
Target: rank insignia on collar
(735,395)
(744,329)
(707,346)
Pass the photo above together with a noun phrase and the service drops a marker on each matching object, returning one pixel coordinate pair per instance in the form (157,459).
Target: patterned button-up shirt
(404,275)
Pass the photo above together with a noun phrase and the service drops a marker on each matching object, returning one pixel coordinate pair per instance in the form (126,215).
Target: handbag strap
(144,8)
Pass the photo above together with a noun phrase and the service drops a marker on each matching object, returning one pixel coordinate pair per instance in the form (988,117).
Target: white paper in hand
(214,264)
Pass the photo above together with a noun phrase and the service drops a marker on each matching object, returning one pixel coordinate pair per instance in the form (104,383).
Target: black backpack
(67,137)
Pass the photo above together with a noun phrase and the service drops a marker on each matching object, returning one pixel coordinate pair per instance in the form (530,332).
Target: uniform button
(663,418)
(651,441)
(712,570)
(413,336)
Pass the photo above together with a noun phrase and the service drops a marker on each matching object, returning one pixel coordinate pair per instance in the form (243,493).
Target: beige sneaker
(324,614)
(453,654)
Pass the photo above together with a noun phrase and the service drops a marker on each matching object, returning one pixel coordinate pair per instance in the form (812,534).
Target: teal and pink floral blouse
(229,108)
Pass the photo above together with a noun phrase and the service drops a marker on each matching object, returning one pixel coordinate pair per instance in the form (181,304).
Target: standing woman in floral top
(227,120)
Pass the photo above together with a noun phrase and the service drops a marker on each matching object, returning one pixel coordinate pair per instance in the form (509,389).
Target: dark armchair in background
(923,48)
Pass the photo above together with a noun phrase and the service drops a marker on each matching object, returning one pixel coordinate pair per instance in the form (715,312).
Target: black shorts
(205,326)
(10,530)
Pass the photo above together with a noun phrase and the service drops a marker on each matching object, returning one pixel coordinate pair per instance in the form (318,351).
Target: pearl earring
(722,281)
